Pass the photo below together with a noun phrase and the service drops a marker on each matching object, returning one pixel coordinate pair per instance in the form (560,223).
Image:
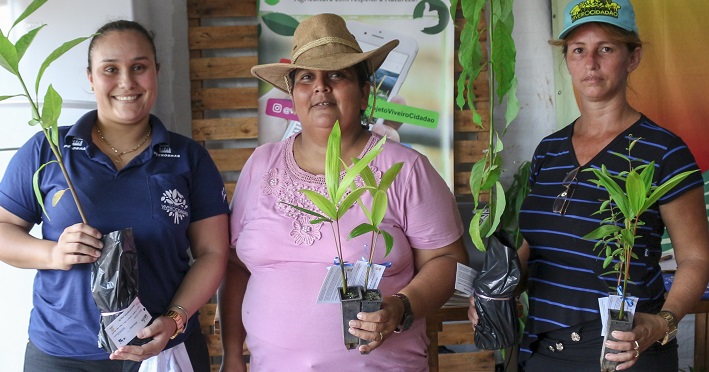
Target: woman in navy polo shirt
(129,172)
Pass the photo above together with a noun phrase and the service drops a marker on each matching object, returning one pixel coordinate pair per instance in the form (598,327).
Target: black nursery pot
(614,324)
(371,302)
(351,304)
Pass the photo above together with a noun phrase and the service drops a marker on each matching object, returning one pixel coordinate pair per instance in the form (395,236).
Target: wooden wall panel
(224,37)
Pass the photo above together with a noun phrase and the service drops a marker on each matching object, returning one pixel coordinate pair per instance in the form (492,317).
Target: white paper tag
(355,276)
(613,302)
(464,276)
(124,328)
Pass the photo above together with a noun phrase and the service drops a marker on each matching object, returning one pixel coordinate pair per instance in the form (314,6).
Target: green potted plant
(337,203)
(630,194)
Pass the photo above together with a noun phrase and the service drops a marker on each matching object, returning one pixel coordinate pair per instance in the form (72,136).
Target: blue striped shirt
(566,274)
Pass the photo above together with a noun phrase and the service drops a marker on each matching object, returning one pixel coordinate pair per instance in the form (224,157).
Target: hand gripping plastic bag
(114,282)
(494,288)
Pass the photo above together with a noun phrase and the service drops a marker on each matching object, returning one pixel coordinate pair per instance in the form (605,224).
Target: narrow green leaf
(325,205)
(602,232)
(389,176)
(476,179)
(55,55)
(366,174)
(2,98)
(356,169)
(663,189)
(379,207)
(34,5)
(332,162)
(360,230)
(614,190)
(308,211)
(647,174)
(350,200)
(497,210)
(37,191)
(25,41)
(388,242)
(607,261)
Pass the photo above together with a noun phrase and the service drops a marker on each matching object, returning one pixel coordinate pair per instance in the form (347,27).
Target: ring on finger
(381,336)
(637,353)
(637,346)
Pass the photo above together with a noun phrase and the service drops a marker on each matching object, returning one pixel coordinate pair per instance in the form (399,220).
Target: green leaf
(325,205)
(379,207)
(367,175)
(476,179)
(497,210)
(37,191)
(332,162)
(635,191)
(389,176)
(55,55)
(616,192)
(647,174)
(388,242)
(51,109)
(360,230)
(602,232)
(2,98)
(308,211)
(8,55)
(281,24)
(24,42)
(350,200)
(34,5)
(474,231)
(356,168)
(663,189)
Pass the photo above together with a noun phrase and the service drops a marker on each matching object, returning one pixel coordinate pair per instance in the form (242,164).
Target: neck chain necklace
(119,154)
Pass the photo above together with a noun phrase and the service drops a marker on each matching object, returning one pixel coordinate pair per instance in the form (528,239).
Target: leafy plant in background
(10,57)
(485,174)
(625,205)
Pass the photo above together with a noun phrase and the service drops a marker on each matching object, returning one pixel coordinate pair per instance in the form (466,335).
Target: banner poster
(414,85)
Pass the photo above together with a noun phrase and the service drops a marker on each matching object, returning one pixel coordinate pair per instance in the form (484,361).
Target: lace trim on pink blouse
(285,185)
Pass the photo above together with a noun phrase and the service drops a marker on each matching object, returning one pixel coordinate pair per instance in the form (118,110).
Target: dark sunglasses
(562,200)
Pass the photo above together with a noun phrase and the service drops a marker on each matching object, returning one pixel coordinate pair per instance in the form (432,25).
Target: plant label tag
(464,276)
(333,282)
(124,328)
(613,302)
(360,271)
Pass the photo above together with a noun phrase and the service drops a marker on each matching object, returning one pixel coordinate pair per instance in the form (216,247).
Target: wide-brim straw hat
(322,42)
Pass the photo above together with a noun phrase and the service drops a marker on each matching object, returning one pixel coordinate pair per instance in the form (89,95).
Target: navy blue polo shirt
(158,194)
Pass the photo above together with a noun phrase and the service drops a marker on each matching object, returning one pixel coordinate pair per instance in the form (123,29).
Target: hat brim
(597,19)
(276,73)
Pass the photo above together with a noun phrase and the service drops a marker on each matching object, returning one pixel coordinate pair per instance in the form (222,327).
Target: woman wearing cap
(270,292)
(566,277)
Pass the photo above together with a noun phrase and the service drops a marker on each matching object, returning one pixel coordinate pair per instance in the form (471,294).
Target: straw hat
(322,42)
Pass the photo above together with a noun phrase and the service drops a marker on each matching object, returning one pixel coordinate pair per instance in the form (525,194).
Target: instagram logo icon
(277,107)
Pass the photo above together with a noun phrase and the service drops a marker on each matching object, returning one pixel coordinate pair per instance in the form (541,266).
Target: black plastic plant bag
(114,282)
(494,288)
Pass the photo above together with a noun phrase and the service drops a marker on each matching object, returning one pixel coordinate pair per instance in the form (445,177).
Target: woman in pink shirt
(275,273)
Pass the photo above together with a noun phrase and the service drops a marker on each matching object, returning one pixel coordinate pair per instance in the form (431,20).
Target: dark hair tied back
(122,25)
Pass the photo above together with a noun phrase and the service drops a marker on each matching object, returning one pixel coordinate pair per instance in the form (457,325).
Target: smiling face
(322,97)
(123,76)
(599,65)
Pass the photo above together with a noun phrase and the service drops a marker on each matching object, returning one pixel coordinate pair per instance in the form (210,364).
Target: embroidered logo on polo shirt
(165,151)
(76,144)
(174,204)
